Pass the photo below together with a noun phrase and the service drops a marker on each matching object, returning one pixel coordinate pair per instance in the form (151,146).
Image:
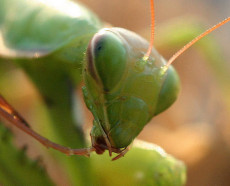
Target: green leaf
(15,167)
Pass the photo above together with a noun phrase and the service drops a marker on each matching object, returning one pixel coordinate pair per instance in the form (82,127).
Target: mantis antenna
(146,57)
(183,49)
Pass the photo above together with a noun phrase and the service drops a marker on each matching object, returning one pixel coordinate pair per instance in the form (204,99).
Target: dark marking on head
(94,47)
(90,62)
(99,48)
(98,43)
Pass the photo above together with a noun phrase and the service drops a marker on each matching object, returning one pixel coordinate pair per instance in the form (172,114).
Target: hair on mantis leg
(126,84)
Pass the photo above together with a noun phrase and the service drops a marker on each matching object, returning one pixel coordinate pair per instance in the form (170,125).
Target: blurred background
(196,128)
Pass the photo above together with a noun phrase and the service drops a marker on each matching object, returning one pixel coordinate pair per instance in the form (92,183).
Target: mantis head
(122,89)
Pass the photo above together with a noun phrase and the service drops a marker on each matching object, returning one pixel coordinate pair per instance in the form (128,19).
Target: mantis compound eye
(106,59)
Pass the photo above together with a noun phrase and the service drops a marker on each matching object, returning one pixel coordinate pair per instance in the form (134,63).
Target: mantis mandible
(127,82)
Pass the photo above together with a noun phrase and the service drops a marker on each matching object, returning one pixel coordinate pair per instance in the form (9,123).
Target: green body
(36,28)
(121,89)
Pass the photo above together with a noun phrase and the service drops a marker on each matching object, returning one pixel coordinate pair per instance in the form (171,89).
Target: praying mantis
(126,81)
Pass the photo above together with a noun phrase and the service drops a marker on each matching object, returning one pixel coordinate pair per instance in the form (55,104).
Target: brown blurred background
(196,128)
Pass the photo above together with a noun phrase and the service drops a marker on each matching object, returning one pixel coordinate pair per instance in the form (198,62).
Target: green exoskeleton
(124,86)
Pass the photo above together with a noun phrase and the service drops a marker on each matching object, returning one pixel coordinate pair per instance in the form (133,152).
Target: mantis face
(122,90)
